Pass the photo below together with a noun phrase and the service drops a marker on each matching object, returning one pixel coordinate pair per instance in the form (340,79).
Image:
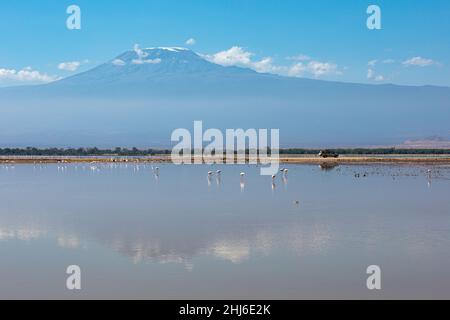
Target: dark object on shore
(327,154)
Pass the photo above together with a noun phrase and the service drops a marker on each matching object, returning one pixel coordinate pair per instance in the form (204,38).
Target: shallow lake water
(182,235)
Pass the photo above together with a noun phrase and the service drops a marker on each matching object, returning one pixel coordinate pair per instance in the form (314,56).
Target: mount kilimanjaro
(139,97)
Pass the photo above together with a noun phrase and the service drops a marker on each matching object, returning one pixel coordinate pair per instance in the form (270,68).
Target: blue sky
(316,39)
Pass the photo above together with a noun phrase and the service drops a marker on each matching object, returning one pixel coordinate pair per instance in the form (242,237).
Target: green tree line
(151,152)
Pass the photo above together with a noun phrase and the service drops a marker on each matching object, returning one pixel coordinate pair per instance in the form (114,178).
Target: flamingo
(156,173)
(242,183)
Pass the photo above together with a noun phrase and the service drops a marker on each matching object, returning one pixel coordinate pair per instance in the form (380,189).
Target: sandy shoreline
(388,159)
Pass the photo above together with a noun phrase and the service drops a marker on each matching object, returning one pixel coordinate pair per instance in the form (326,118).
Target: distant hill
(427,143)
(139,97)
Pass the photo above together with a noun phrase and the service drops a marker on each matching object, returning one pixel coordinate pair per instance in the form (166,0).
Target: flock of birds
(217,174)
(283,171)
(210,174)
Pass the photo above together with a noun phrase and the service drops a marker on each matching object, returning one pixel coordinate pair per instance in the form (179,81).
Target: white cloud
(379,78)
(419,62)
(371,73)
(314,68)
(266,65)
(118,62)
(141,57)
(140,53)
(237,56)
(191,42)
(372,76)
(297,70)
(318,68)
(71,65)
(26,75)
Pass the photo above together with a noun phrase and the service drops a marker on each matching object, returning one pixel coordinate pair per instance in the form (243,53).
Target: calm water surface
(182,235)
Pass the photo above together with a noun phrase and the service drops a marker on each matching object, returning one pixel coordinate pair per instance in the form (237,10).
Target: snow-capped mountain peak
(142,65)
